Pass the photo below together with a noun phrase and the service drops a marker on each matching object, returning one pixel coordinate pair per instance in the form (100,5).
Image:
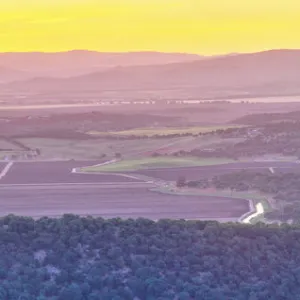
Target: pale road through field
(5,170)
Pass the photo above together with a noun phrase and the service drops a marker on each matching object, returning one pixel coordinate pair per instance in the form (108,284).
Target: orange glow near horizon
(195,26)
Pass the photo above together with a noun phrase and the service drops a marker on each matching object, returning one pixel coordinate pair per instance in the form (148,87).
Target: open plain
(51,189)
(125,202)
(199,172)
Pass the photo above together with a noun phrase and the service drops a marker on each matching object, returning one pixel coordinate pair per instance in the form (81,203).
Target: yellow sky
(197,26)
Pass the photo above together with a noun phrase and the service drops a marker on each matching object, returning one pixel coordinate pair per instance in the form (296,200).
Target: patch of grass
(155,162)
(163,131)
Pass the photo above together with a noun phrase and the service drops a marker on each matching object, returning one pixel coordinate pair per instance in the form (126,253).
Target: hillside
(9,74)
(78,62)
(264,118)
(266,73)
(64,125)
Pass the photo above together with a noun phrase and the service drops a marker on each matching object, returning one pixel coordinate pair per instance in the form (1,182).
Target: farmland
(96,148)
(255,196)
(151,152)
(54,173)
(199,172)
(113,202)
(46,185)
(151,132)
(50,188)
(153,163)
(62,149)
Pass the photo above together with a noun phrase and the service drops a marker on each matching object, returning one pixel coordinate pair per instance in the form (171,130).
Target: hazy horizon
(206,28)
(182,48)
(150,52)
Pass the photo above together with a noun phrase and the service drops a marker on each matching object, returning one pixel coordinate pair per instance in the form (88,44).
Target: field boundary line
(143,178)
(97,215)
(77,170)
(76,183)
(6,169)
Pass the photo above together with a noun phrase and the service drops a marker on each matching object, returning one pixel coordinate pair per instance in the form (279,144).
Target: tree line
(78,258)
(279,138)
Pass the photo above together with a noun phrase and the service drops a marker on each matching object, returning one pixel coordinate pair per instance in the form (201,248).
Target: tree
(72,292)
(155,154)
(118,155)
(181,181)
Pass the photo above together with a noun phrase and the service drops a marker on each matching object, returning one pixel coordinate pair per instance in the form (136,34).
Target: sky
(195,26)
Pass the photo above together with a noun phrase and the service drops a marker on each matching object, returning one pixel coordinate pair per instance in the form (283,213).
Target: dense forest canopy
(77,258)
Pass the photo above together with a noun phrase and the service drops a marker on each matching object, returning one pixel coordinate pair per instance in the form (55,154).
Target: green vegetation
(85,258)
(280,191)
(155,162)
(93,148)
(150,132)
(266,139)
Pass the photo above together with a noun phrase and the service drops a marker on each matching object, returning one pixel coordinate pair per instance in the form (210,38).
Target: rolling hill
(79,62)
(9,74)
(264,73)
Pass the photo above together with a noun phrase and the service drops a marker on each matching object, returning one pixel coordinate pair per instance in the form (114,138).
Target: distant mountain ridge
(79,62)
(9,74)
(262,74)
(267,73)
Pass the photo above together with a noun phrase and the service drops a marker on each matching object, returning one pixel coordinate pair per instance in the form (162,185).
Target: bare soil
(24,191)
(124,203)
